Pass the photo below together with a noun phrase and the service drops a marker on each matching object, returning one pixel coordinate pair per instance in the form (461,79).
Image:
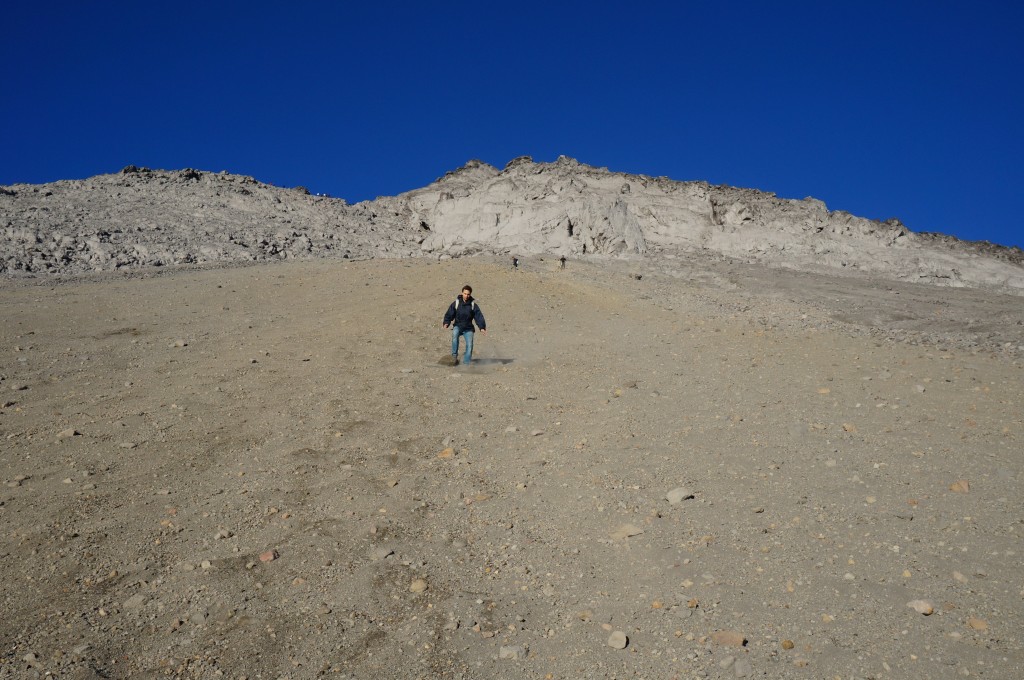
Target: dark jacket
(464,314)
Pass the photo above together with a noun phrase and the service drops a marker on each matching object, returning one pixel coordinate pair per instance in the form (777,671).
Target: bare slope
(160,435)
(143,218)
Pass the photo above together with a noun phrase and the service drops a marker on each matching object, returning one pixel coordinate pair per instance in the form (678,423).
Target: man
(460,316)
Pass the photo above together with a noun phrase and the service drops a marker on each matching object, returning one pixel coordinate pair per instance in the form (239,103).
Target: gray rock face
(150,218)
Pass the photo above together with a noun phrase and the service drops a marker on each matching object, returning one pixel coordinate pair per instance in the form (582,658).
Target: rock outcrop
(151,218)
(566,208)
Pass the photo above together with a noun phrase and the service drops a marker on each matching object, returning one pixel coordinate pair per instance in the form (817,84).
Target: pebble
(743,668)
(618,640)
(678,495)
(68,433)
(922,607)
(728,638)
(223,533)
(977,624)
(960,486)
(626,530)
(727,662)
(418,586)
(135,601)
(378,554)
(269,556)
(515,652)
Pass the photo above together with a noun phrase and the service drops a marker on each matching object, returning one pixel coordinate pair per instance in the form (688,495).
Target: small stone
(960,486)
(743,668)
(68,433)
(536,433)
(977,624)
(135,601)
(728,638)
(418,586)
(678,495)
(727,662)
(515,652)
(787,644)
(625,531)
(922,607)
(206,564)
(223,533)
(618,640)
(180,343)
(447,453)
(585,615)
(378,554)
(269,556)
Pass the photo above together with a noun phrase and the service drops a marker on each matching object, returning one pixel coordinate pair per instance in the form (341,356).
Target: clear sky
(885,109)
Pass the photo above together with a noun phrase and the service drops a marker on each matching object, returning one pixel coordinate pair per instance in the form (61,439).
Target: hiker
(515,264)
(561,262)
(460,316)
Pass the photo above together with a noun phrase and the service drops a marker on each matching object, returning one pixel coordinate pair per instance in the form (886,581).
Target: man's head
(466,292)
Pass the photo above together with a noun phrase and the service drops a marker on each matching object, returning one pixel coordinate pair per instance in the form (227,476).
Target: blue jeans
(456,332)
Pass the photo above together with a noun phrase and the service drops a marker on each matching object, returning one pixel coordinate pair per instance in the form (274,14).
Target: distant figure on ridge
(515,263)
(561,262)
(460,316)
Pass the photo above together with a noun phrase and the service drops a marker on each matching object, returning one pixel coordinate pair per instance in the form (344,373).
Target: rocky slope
(147,218)
(247,473)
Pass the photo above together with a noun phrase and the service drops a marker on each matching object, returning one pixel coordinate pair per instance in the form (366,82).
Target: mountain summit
(144,218)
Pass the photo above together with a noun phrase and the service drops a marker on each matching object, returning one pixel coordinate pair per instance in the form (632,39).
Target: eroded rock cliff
(151,218)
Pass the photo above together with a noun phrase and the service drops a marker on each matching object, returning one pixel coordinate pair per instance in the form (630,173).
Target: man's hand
(444,325)
(484,331)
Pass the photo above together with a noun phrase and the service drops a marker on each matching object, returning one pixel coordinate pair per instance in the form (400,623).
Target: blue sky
(884,109)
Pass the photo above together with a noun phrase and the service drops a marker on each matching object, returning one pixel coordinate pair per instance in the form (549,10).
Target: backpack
(472,305)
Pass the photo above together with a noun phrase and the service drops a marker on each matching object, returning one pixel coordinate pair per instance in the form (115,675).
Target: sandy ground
(265,472)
